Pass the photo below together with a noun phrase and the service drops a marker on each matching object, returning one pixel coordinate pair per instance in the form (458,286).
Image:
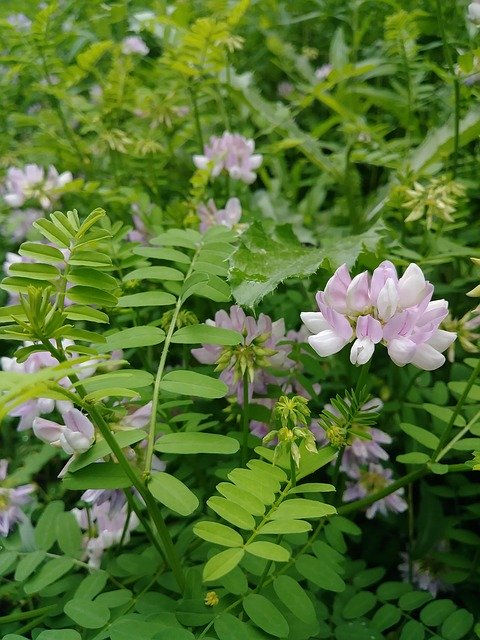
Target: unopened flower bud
(337,436)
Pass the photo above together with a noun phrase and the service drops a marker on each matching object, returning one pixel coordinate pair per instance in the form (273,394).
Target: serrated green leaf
(191,443)
(205,333)
(221,563)
(87,613)
(218,534)
(173,493)
(190,383)
(265,615)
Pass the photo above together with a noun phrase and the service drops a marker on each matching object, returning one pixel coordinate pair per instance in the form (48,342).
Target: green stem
(293,472)
(245,422)
(458,437)
(26,615)
(336,473)
(355,221)
(196,114)
(446,434)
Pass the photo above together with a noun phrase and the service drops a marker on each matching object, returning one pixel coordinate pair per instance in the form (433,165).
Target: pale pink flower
(232,153)
(423,575)
(19,21)
(397,312)
(474,12)
(369,480)
(228,217)
(12,499)
(75,436)
(31,182)
(134,44)
(323,72)
(285,89)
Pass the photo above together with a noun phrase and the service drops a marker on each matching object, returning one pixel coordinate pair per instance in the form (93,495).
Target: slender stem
(245,422)
(293,472)
(458,437)
(336,473)
(355,221)
(196,114)
(446,434)
(25,615)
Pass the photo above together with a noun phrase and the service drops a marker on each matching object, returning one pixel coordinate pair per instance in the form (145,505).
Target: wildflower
(104,528)
(11,501)
(19,21)
(32,183)
(383,308)
(75,436)
(232,153)
(209,214)
(424,574)
(140,232)
(19,223)
(369,480)
(260,350)
(211,599)
(465,328)
(115,498)
(438,199)
(134,44)
(323,72)
(285,89)
(474,12)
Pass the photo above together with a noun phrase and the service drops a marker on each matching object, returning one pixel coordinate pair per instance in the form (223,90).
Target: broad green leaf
(457,625)
(256,482)
(313,487)
(188,238)
(85,313)
(163,253)
(171,492)
(7,561)
(173,633)
(221,563)
(129,378)
(35,271)
(434,613)
(385,617)
(69,535)
(415,457)
(213,288)
(264,467)
(111,392)
(427,438)
(113,599)
(367,577)
(293,596)
(393,590)
(412,630)
(190,383)
(22,284)
(208,334)
(28,564)
(197,442)
(45,531)
(309,462)
(52,233)
(91,295)
(413,600)
(444,414)
(91,278)
(321,574)
(228,627)
(133,337)
(104,475)
(100,449)
(457,388)
(301,508)
(243,498)
(268,550)
(285,526)
(41,252)
(56,634)
(87,613)
(92,585)
(191,284)
(232,513)
(154,273)
(359,604)
(147,299)
(218,534)
(265,615)
(89,259)
(48,573)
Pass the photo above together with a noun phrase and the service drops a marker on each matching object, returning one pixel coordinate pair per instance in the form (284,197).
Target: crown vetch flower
(75,436)
(382,308)
(230,152)
(134,44)
(209,214)
(31,182)
(11,501)
(369,480)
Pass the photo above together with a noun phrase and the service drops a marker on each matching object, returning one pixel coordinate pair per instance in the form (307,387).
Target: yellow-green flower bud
(337,436)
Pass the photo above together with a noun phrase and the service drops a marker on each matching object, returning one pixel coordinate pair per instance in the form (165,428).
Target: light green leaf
(28,564)
(221,563)
(218,534)
(91,295)
(241,497)
(91,585)
(129,378)
(188,238)
(54,634)
(444,414)
(87,613)
(49,573)
(302,508)
(147,299)
(133,337)
(265,615)
(268,550)
(190,383)
(415,457)
(293,596)
(427,438)
(89,259)
(171,492)
(104,475)
(36,271)
(111,392)
(69,535)
(41,252)
(154,273)
(285,526)
(232,512)
(45,531)
(201,442)
(85,313)
(91,278)
(205,333)
(313,487)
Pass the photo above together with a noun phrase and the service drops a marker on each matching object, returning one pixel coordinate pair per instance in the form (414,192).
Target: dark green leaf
(359,604)
(457,625)
(105,475)
(190,383)
(265,615)
(87,613)
(50,572)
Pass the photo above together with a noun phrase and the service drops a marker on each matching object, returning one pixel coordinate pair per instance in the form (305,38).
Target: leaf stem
(245,423)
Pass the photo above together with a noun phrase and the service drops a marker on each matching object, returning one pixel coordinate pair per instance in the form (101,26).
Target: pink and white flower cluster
(381,308)
(12,501)
(209,214)
(134,44)
(33,183)
(370,479)
(76,435)
(231,153)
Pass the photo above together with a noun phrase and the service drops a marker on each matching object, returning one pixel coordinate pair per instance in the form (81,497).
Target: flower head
(209,214)
(134,44)
(369,480)
(11,501)
(424,574)
(32,183)
(75,436)
(231,153)
(259,351)
(382,308)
